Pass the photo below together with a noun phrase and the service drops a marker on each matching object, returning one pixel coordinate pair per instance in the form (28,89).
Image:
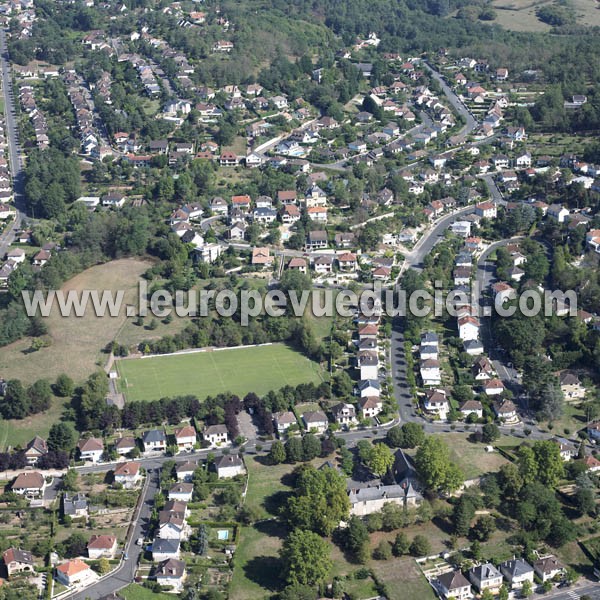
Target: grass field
(136,592)
(75,343)
(256,555)
(520,15)
(472,457)
(19,432)
(239,370)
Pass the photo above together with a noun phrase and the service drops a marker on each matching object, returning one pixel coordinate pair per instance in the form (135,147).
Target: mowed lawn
(237,370)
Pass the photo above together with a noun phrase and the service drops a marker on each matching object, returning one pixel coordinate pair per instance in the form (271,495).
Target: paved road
(470,122)
(125,573)
(495,193)
(414,259)
(574,593)
(12,139)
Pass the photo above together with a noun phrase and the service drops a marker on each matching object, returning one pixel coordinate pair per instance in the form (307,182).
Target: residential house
(436,403)
(265,216)
(486,210)
(35,449)
(238,230)
(154,440)
(185,437)
(90,449)
(182,492)
(371,406)
(127,474)
(592,464)
(317,213)
(172,525)
(506,410)
(368,363)
(101,546)
(216,435)
(493,387)
(548,568)
(501,74)
(219,206)
(30,484)
(471,407)
(164,549)
(298,264)
(502,293)
(369,388)
(558,212)
(41,258)
(461,276)
(171,573)
(523,161)
(315,421)
(229,159)
(229,465)
(429,352)
(18,561)
(75,573)
(323,264)
(344,413)
(482,369)
(468,328)
(317,240)
(453,585)
(185,471)
(283,421)
(430,372)
(571,386)
(486,577)
(568,449)
(473,347)
(125,445)
(76,505)
(290,213)
(517,572)
(367,500)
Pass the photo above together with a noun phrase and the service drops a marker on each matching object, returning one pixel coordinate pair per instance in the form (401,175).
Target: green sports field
(239,370)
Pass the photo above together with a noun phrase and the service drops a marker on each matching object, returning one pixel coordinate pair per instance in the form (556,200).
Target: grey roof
(453,580)
(215,429)
(429,349)
(485,571)
(154,435)
(376,493)
(72,504)
(38,444)
(165,546)
(229,460)
(171,568)
(265,212)
(182,488)
(314,236)
(470,344)
(186,467)
(516,567)
(17,555)
(314,416)
(429,337)
(365,383)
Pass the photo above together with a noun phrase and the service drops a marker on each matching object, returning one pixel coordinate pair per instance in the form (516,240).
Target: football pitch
(239,370)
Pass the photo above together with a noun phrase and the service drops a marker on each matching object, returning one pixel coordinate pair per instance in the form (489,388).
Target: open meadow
(74,344)
(238,370)
(520,15)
